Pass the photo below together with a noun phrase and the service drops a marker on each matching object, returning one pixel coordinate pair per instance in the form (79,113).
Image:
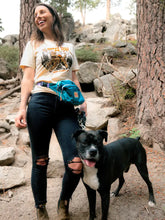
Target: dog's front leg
(92,202)
(105,200)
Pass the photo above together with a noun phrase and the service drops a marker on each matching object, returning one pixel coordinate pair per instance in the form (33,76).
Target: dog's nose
(93,152)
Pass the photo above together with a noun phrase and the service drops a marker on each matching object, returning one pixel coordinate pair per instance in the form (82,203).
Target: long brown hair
(37,35)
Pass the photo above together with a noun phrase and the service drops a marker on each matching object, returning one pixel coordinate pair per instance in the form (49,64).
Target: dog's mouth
(90,163)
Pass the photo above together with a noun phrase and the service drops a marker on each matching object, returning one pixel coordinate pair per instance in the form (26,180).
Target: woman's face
(43,19)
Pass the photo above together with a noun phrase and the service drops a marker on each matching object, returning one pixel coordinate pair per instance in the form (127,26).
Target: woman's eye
(42,12)
(39,13)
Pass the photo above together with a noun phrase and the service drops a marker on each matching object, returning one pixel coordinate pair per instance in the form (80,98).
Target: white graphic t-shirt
(51,62)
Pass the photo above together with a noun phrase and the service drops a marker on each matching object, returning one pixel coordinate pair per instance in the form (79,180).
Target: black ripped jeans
(46,113)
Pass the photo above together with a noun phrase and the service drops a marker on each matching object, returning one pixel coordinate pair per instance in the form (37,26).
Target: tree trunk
(108,10)
(26,22)
(151,67)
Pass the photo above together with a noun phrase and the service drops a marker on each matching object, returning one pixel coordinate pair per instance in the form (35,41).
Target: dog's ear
(103,134)
(77,133)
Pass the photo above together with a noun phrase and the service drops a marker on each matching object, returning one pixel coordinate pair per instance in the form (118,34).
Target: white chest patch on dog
(90,177)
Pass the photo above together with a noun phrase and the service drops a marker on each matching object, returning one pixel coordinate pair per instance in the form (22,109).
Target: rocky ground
(132,203)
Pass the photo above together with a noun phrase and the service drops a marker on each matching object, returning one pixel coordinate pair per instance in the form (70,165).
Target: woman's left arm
(83,107)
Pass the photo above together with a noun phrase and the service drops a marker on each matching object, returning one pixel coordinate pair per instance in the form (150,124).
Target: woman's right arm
(26,88)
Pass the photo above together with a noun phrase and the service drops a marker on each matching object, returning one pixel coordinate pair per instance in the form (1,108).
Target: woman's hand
(83,107)
(20,120)
(26,87)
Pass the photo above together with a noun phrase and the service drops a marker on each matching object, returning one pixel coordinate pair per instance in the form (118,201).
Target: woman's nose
(37,15)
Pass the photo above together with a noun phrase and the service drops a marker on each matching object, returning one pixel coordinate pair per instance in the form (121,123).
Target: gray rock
(4,125)
(11,118)
(111,51)
(113,129)
(120,44)
(106,31)
(7,155)
(97,114)
(106,86)
(88,72)
(129,49)
(10,40)
(11,177)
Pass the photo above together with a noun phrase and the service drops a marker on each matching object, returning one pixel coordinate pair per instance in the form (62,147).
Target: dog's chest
(90,177)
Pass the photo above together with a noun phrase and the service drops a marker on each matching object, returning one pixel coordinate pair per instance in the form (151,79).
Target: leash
(81,117)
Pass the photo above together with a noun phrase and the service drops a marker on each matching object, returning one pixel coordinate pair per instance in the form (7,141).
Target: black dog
(103,164)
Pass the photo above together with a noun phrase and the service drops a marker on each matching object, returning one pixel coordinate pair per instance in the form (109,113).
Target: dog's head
(90,145)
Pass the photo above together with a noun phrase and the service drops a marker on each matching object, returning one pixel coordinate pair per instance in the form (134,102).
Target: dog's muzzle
(92,152)
(91,157)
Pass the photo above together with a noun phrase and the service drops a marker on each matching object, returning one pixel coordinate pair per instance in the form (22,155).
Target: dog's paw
(151,204)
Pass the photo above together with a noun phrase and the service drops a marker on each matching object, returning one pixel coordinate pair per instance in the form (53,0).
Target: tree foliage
(1,28)
(110,3)
(61,6)
(132,7)
(83,5)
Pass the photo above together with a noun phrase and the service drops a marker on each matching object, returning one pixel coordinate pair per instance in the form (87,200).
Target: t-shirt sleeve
(28,57)
(75,65)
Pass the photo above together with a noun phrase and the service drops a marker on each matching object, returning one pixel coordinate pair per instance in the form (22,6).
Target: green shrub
(133,42)
(88,54)
(130,93)
(11,55)
(134,133)
(121,94)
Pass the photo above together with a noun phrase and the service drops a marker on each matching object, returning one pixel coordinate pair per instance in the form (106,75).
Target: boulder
(4,125)
(111,51)
(129,49)
(88,72)
(10,40)
(7,155)
(106,68)
(98,114)
(106,31)
(106,86)
(11,177)
(11,118)
(113,129)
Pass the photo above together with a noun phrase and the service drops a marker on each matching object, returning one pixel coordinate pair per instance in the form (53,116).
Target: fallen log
(7,82)
(11,91)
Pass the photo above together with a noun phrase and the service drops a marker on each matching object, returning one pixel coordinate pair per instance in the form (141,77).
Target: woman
(47,59)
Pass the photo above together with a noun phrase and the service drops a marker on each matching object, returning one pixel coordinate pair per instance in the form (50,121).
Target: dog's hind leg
(92,202)
(142,168)
(121,182)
